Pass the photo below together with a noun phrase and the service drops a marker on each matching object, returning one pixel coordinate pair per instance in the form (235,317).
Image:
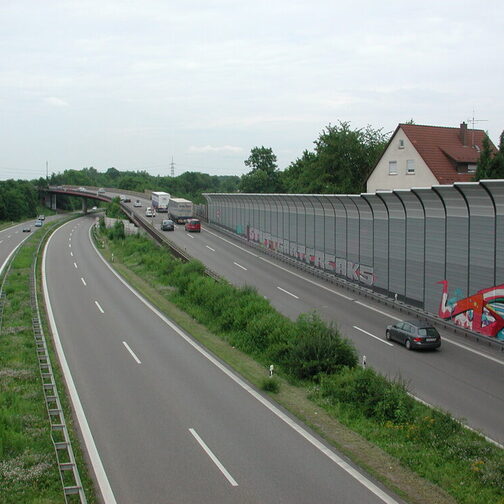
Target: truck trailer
(160,201)
(180,210)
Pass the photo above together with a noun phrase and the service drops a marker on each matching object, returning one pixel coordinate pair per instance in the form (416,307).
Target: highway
(163,420)
(464,378)
(13,236)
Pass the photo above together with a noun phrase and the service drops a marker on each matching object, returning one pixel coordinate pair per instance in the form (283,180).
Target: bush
(270,385)
(318,349)
(116,232)
(370,393)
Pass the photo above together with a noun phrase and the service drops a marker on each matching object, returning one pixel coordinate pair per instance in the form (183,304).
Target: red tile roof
(442,147)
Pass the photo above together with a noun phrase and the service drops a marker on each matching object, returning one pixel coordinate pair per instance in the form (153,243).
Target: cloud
(211,148)
(56,102)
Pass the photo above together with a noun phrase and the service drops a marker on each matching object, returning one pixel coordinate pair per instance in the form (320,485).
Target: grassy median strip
(28,466)
(421,453)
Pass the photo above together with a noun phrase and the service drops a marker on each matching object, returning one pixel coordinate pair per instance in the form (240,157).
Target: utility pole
(172,167)
(47,170)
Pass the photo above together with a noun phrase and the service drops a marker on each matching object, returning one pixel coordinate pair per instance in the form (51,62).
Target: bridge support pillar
(84,205)
(53,202)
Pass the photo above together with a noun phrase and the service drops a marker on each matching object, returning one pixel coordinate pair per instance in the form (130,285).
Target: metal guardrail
(380,298)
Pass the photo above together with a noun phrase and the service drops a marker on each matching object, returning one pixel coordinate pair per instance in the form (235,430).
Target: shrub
(370,393)
(318,349)
(116,232)
(270,385)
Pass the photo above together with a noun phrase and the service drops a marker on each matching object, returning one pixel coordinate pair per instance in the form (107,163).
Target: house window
(471,168)
(401,143)
(410,167)
(392,167)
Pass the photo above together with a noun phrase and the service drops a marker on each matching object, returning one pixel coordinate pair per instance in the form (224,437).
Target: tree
(264,176)
(342,160)
(483,168)
(497,168)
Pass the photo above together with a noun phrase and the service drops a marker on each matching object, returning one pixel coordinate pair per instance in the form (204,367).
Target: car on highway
(149,212)
(414,334)
(82,189)
(101,191)
(137,203)
(38,223)
(41,217)
(193,225)
(167,225)
(26,229)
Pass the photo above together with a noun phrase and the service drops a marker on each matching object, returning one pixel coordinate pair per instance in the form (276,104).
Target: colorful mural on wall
(482,312)
(353,271)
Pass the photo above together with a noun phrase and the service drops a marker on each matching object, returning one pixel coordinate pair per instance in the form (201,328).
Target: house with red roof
(423,156)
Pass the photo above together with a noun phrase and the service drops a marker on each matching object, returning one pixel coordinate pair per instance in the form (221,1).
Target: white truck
(160,201)
(180,210)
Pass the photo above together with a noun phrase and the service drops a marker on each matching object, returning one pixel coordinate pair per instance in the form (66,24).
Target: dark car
(167,225)
(26,229)
(414,334)
(193,225)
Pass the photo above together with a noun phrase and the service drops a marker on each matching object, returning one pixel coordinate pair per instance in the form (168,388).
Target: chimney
(463,134)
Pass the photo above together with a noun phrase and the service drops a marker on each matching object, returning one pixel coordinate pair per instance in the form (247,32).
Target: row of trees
(18,200)
(340,164)
(188,185)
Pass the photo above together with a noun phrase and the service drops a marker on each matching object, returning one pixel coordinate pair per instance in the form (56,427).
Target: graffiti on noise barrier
(482,312)
(329,262)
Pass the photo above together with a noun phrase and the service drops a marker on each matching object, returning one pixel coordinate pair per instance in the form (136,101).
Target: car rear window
(428,331)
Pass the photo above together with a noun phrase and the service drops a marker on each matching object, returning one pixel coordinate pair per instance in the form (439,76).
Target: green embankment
(28,466)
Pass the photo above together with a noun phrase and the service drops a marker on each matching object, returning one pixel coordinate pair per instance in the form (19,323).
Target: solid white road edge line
(240,266)
(215,460)
(363,480)
(481,354)
(101,476)
(373,336)
(490,440)
(287,292)
(131,352)
(99,307)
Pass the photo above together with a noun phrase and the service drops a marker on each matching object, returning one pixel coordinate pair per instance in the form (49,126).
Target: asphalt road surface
(171,424)
(464,378)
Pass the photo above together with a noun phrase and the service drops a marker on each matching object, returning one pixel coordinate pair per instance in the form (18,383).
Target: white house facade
(400,167)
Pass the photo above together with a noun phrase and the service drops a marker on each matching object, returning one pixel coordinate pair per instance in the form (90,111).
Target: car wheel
(387,335)
(408,344)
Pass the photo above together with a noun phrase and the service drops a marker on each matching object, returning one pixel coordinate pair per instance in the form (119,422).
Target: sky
(135,84)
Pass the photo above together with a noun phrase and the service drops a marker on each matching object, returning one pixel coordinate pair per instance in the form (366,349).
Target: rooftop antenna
(172,167)
(474,121)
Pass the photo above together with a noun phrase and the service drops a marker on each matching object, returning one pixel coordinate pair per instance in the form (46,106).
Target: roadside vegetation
(28,466)
(312,357)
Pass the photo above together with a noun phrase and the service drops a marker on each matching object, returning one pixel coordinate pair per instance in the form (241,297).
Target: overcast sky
(130,84)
